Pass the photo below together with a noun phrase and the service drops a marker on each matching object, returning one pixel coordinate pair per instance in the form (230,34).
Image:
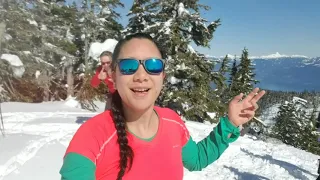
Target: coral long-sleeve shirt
(95,81)
(93,153)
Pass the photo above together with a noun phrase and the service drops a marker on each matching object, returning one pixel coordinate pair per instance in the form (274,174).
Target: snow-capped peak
(220,57)
(230,56)
(276,56)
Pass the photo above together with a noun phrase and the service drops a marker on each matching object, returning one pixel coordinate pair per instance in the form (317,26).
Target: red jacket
(95,81)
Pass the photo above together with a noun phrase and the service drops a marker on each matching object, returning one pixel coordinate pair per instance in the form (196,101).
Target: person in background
(103,74)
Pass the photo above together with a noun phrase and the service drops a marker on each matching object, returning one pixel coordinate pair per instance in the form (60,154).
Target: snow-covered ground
(37,136)
(269,114)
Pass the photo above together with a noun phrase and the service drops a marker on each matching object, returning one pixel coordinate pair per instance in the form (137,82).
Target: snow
(15,62)
(37,136)
(43,27)
(7,36)
(269,114)
(96,48)
(211,114)
(37,74)
(165,26)
(106,11)
(83,36)
(50,45)
(295,99)
(33,22)
(26,52)
(72,102)
(182,67)
(181,9)
(174,80)
(277,55)
(69,35)
(229,56)
(191,49)
(43,61)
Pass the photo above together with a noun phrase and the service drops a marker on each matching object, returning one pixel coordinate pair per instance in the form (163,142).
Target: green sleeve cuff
(77,167)
(228,128)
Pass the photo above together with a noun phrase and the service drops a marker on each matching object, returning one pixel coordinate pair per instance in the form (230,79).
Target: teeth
(140,90)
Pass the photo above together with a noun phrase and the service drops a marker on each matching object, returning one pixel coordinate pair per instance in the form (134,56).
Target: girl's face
(139,90)
(105,62)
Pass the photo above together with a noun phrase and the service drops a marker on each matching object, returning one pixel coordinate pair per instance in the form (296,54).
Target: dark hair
(117,49)
(126,152)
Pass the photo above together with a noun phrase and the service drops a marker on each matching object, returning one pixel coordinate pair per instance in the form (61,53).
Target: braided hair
(126,152)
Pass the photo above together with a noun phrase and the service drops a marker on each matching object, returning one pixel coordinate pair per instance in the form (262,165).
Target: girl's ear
(163,75)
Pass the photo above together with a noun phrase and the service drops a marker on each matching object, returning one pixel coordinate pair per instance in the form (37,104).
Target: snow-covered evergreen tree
(233,74)
(245,77)
(293,125)
(142,14)
(312,132)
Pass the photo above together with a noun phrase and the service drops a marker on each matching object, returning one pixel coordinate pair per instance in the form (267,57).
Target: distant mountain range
(286,73)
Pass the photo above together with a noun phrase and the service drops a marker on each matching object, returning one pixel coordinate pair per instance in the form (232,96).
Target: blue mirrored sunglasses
(153,66)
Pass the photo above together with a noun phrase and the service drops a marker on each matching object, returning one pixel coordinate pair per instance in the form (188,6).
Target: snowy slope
(38,134)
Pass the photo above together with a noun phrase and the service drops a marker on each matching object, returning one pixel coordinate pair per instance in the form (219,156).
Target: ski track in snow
(246,158)
(21,122)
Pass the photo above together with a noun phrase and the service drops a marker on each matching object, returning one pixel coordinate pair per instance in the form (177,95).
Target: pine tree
(189,74)
(233,73)
(222,87)
(221,84)
(311,132)
(293,125)
(224,68)
(245,78)
(141,16)
(233,84)
(242,79)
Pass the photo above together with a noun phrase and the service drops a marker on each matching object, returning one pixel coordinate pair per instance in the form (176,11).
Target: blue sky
(270,26)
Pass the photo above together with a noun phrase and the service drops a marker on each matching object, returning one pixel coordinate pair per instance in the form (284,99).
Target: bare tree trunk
(2,29)
(86,51)
(46,87)
(70,80)
(62,72)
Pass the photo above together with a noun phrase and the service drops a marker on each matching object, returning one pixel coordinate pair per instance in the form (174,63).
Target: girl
(103,74)
(138,140)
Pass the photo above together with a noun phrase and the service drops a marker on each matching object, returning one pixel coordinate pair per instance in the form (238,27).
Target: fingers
(254,106)
(251,94)
(248,114)
(254,96)
(237,98)
(258,96)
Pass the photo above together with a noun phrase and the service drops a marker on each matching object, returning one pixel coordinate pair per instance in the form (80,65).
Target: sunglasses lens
(128,66)
(154,66)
